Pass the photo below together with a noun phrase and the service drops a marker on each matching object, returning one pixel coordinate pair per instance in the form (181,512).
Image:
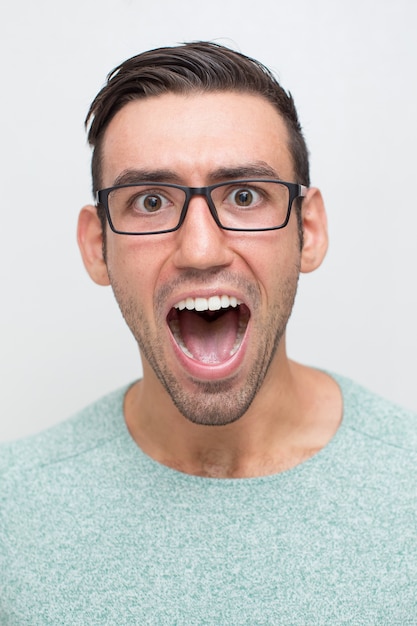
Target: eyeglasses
(239,205)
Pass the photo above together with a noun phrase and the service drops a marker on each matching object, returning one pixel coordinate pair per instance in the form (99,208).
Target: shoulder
(376,417)
(88,429)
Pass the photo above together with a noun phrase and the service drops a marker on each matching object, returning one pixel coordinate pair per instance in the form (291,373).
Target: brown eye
(152,203)
(243,197)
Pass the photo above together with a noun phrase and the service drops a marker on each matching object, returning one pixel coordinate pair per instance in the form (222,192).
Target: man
(230,485)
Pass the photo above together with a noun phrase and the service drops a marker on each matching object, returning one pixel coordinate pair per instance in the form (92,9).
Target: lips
(209,331)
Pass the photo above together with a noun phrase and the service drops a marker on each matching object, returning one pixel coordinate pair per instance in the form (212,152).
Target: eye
(149,202)
(152,203)
(244,197)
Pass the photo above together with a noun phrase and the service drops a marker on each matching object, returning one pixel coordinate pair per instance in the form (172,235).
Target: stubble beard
(221,402)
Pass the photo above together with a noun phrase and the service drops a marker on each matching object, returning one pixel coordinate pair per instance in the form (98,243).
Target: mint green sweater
(92,531)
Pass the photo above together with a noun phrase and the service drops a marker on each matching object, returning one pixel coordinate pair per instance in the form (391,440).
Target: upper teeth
(214,303)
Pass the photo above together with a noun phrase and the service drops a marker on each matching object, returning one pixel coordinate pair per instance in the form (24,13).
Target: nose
(201,244)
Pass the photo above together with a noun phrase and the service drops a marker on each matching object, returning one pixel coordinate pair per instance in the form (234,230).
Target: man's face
(211,363)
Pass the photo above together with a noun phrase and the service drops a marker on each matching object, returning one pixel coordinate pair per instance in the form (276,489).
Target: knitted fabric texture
(93,531)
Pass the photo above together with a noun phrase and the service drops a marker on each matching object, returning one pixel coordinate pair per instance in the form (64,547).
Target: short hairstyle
(199,67)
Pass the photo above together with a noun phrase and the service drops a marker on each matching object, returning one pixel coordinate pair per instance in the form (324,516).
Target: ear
(90,241)
(315,240)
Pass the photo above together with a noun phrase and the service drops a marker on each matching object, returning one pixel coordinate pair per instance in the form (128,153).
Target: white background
(351,67)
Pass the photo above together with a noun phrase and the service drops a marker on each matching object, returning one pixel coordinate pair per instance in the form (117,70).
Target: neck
(286,424)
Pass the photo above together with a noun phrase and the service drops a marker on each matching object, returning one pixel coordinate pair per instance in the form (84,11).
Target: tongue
(209,341)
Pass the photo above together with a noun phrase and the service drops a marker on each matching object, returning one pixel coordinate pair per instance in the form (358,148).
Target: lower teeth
(239,336)
(175,330)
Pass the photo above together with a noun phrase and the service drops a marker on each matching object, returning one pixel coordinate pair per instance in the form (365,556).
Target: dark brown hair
(191,67)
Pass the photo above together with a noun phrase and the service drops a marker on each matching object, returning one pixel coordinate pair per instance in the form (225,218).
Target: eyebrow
(131,177)
(249,170)
(220,174)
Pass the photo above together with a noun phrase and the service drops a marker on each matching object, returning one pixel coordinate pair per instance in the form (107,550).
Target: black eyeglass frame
(295,191)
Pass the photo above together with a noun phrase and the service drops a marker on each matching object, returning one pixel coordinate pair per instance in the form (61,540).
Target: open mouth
(209,330)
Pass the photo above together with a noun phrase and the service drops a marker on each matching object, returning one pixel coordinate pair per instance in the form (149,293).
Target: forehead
(195,135)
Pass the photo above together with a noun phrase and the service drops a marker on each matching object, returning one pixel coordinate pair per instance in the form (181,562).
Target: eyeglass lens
(152,208)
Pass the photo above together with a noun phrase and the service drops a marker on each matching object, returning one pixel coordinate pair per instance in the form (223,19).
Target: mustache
(193,279)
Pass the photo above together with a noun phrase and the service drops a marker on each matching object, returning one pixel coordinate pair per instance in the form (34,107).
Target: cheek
(274,256)
(134,270)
